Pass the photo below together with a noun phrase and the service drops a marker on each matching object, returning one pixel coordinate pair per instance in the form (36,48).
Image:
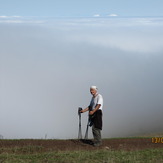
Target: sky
(81,8)
(49,60)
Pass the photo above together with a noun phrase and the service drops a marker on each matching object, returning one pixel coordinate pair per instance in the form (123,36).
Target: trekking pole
(86,133)
(89,124)
(80,131)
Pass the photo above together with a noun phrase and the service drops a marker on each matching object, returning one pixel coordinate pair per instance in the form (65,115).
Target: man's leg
(97,136)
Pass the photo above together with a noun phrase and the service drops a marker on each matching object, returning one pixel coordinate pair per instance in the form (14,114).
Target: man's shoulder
(99,96)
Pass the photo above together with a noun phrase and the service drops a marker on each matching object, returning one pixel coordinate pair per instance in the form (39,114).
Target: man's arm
(96,108)
(84,110)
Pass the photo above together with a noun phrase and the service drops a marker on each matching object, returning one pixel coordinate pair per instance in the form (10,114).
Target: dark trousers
(96,134)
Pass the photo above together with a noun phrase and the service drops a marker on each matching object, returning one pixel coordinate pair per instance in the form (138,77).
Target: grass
(36,155)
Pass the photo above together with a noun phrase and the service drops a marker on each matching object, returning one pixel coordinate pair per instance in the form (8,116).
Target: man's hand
(91,112)
(81,111)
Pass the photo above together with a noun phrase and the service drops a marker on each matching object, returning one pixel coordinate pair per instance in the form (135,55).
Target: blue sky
(75,8)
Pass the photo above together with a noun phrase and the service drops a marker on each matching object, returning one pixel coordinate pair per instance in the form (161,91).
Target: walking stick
(80,131)
(86,133)
(90,123)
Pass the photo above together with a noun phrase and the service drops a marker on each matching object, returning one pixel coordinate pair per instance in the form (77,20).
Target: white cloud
(22,22)
(113,15)
(11,21)
(96,15)
(10,17)
(127,38)
(20,19)
(16,16)
(29,72)
(142,44)
(3,16)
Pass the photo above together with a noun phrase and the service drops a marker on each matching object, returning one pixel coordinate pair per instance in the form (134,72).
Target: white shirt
(95,101)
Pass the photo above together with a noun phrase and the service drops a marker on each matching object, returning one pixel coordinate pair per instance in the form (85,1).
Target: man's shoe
(97,144)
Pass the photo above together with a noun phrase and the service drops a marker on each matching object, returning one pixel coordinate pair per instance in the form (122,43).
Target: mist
(48,65)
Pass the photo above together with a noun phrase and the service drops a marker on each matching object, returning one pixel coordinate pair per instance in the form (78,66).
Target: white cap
(94,87)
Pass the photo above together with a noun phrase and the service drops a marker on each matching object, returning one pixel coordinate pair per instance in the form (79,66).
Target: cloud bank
(46,71)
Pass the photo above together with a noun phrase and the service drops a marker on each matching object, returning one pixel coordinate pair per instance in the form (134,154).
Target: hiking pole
(80,131)
(90,123)
(86,133)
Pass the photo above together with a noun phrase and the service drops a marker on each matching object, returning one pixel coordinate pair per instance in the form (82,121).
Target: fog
(48,65)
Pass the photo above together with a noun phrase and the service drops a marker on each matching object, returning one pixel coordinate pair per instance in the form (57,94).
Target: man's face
(93,91)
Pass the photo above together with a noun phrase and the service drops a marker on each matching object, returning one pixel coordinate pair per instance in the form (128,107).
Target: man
(95,111)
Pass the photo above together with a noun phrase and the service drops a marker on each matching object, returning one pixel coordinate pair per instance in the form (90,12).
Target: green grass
(36,155)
